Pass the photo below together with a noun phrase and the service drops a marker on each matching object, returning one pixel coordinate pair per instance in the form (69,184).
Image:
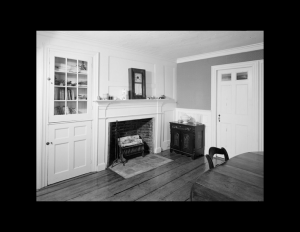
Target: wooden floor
(169,182)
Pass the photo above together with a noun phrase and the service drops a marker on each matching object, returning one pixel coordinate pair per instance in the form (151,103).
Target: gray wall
(194,78)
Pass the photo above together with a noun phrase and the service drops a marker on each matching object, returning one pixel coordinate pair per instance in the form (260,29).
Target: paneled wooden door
(234,110)
(69,114)
(69,151)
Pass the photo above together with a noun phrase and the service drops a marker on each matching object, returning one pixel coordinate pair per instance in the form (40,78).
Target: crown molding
(225,52)
(65,35)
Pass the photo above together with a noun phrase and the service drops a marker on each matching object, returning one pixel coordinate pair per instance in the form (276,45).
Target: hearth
(141,127)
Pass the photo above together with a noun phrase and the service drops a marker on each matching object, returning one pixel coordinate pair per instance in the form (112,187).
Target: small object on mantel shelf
(124,94)
(162,97)
(153,97)
(105,96)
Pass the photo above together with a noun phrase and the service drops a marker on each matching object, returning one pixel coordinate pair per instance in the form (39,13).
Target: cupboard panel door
(69,150)
(187,142)
(175,139)
(69,86)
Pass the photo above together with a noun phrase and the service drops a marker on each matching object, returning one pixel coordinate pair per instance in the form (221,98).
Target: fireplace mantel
(122,110)
(132,102)
(113,108)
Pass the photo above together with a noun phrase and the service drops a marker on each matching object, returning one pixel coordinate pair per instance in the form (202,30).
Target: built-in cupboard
(69,115)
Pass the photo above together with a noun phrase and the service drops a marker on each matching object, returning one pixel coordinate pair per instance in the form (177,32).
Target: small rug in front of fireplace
(139,165)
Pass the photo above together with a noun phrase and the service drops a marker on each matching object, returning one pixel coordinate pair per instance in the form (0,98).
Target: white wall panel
(159,80)
(118,75)
(169,81)
(116,91)
(168,116)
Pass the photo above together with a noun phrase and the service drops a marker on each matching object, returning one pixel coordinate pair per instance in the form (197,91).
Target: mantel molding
(248,48)
(105,104)
(130,108)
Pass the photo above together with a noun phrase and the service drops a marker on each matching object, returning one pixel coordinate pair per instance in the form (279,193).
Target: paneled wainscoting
(169,182)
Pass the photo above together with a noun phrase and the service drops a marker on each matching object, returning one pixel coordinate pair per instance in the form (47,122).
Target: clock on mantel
(137,83)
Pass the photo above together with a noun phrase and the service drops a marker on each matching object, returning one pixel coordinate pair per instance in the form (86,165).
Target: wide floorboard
(169,182)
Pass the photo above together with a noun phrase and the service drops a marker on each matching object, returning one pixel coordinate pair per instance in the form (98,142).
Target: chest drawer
(183,127)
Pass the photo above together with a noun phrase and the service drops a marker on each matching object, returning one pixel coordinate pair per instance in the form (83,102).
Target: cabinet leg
(171,150)
(194,156)
(123,160)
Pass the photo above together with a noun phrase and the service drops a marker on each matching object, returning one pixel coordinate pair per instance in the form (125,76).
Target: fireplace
(159,110)
(141,127)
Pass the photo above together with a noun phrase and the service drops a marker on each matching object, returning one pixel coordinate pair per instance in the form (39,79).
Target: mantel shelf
(133,100)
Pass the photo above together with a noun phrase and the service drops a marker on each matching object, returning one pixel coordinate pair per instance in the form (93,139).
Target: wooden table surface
(241,178)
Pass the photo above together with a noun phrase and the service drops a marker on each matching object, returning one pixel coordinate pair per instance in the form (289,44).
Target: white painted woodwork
(243,102)
(201,116)
(69,117)
(235,110)
(106,61)
(169,79)
(168,115)
(69,151)
(162,111)
(39,115)
(261,106)
(160,69)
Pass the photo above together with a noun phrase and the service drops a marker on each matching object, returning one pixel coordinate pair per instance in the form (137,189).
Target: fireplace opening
(141,127)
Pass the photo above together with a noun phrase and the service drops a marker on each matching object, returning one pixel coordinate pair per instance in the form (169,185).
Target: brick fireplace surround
(141,127)
(127,110)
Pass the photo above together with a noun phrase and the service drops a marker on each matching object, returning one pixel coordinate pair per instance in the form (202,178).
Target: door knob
(47,143)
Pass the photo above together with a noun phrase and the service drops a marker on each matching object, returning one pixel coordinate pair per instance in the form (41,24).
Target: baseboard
(101,167)
(157,150)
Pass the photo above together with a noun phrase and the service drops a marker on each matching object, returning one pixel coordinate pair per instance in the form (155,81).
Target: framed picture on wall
(137,83)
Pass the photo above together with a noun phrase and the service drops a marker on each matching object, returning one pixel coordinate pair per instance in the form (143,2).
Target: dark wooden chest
(187,139)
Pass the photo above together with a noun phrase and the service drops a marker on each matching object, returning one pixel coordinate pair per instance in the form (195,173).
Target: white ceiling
(174,44)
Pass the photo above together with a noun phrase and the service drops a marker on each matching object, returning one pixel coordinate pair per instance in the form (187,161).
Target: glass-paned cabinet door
(70,87)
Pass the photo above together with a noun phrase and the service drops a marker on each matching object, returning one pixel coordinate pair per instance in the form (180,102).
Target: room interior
(181,72)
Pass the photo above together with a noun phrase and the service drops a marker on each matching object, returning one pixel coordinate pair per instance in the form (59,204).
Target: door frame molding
(261,106)
(256,101)
(42,167)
